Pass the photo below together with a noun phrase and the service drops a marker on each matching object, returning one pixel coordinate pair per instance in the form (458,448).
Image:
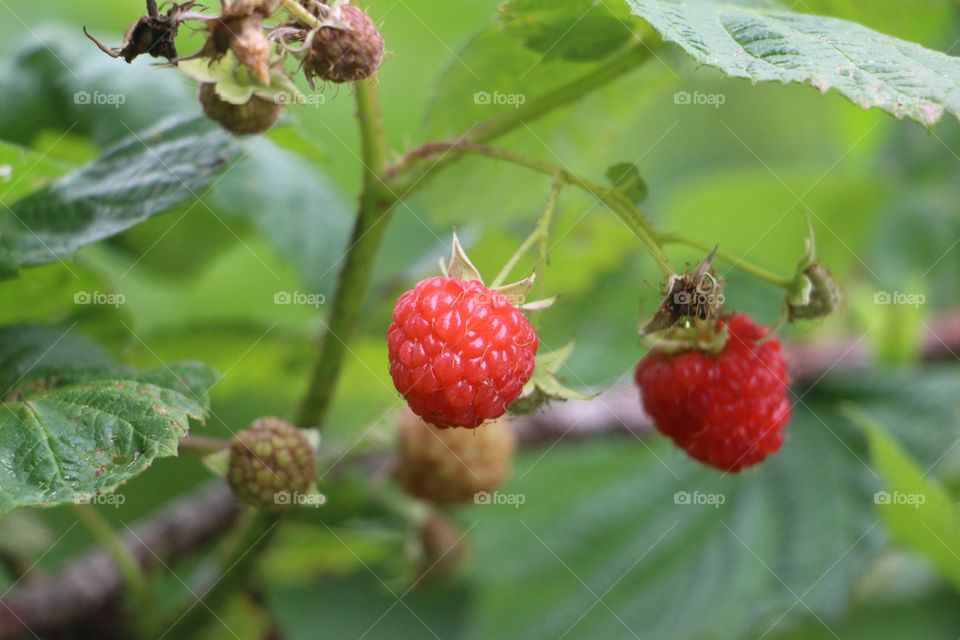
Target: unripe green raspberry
(255,116)
(272,458)
(449,466)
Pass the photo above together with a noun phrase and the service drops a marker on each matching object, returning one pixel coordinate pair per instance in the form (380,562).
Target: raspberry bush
(214,212)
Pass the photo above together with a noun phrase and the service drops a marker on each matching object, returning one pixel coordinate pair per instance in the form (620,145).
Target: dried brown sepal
(244,35)
(153,34)
(693,296)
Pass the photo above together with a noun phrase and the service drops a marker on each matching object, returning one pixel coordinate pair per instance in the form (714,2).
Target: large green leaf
(74,424)
(761,41)
(147,173)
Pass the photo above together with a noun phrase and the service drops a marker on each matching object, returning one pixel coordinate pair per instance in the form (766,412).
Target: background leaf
(147,173)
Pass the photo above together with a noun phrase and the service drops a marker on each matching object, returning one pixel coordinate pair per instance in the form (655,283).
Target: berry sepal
(689,297)
(544,385)
(814,293)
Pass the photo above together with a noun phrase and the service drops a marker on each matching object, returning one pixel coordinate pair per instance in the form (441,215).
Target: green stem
(569,92)
(734,261)
(540,235)
(411,165)
(614,200)
(236,565)
(376,202)
(300,13)
(137,588)
(202,445)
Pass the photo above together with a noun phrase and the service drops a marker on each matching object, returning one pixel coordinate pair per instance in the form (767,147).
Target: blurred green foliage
(795,549)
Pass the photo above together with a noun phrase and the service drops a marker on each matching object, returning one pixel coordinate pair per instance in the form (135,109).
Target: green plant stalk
(237,562)
(614,200)
(415,175)
(297,10)
(376,203)
(138,591)
(572,91)
(735,262)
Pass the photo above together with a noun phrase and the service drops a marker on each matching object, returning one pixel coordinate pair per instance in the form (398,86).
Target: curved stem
(236,565)
(411,165)
(569,92)
(376,201)
(614,200)
(138,590)
(735,262)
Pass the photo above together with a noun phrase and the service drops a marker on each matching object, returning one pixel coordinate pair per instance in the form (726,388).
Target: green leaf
(916,509)
(763,42)
(74,424)
(625,177)
(145,174)
(570,29)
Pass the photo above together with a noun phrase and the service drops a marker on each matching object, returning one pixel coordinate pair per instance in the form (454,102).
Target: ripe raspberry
(727,410)
(353,51)
(448,466)
(460,353)
(270,458)
(255,116)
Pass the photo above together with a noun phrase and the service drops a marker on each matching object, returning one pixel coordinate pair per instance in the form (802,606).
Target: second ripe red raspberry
(460,353)
(728,409)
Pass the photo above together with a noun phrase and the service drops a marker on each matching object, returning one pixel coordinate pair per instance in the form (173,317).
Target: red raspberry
(728,409)
(460,353)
